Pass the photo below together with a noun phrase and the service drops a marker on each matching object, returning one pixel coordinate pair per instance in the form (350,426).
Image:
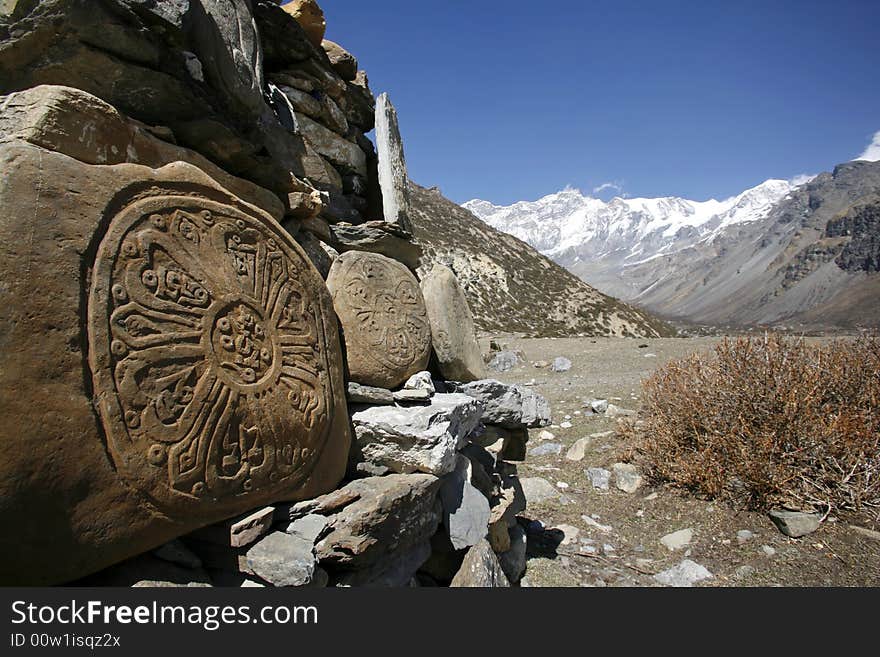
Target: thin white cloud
(802,179)
(615,186)
(872,152)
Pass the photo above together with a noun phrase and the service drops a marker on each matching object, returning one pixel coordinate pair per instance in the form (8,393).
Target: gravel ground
(592,537)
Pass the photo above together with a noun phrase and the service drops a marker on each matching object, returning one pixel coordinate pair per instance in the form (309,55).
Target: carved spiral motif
(208,353)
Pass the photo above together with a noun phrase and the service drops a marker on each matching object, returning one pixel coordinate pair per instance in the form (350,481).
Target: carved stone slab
(170,360)
(383,317)
(208,351)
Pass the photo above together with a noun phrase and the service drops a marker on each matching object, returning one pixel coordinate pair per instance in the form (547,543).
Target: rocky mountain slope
(775,254)
(511,287)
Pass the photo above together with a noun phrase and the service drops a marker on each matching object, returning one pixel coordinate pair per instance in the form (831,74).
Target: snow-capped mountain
(596,239)
(803,254)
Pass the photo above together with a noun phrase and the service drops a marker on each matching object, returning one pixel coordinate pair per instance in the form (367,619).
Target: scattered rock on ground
(546,449)
(678,540)
(561,364)
(538,490)
(616,411)
(685,574)
(744,536)
(503,361)
(578,450)
(795,523)
(599,477)
(627,477)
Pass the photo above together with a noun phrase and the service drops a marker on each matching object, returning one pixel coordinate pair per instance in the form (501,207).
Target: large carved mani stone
(383,318)
(170,359)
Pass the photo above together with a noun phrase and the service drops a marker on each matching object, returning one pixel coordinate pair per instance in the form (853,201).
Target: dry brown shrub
(769,421)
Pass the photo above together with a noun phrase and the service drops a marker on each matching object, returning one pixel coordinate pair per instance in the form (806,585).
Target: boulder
(239,532)
(480,569)
(360,104)
(416,438)
(383,318)
(465,509)
(343,62)
(546,449)
(452,326)
(507,405)
(139,332)
(310,16)
(396,570)
(374,238)
(393,179)
(382,517)
(313,248)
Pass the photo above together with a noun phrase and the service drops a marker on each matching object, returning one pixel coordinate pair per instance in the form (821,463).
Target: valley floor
(618,544)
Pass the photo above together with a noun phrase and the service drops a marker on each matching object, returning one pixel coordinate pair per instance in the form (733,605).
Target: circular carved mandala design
(383,316)
(208,353)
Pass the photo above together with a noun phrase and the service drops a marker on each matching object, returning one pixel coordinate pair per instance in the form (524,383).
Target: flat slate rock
(423,438)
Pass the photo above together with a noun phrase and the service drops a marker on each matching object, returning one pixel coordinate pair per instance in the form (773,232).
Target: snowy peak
(571,227)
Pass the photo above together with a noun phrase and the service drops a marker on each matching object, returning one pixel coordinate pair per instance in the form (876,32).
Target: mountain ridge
(761,256)
(510,287)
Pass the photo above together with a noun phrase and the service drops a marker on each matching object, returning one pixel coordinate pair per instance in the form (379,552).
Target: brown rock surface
(311,17)
(170,360)
(383,318)
(344,63)
(452,326)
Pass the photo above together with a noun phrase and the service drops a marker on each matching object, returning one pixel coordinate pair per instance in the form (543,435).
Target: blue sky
(514,100)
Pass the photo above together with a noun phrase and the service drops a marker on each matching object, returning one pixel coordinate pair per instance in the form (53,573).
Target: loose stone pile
(219,366)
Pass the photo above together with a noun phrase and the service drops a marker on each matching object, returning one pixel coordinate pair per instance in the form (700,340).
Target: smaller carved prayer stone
(384,321)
